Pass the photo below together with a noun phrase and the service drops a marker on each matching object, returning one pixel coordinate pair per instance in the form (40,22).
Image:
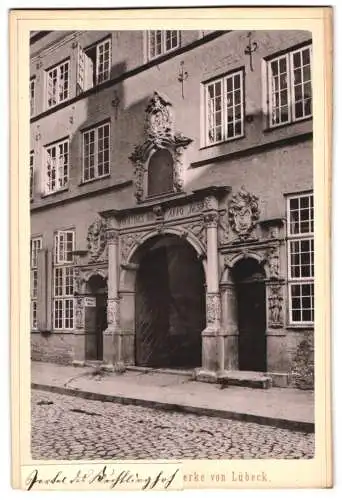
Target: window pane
(279,90)
(302,301)
(234,106)
(301,83)
(214,112)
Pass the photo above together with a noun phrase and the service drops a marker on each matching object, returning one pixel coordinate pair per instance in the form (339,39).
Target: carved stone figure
(78,281)
(275,306)
(113,308)
(79,313)
(96,239)
(158,117)
(273,263)
(243,212)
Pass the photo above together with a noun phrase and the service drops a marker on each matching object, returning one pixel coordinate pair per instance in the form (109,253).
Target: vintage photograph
(172,245)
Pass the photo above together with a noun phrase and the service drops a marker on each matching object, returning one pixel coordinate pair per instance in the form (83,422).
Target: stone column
(212,344)
(112,356)
(229,324)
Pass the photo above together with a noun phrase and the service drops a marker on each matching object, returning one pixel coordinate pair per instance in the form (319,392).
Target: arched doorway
(249,277)
(169,304)
(98,288)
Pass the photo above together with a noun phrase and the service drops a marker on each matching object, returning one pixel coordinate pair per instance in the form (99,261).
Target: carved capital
(213,309)
(211,219)
(112,236)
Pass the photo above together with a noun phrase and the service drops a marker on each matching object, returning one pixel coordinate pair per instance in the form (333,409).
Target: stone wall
(52,348)
(302,367)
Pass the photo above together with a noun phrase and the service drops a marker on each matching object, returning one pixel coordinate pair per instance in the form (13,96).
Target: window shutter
(89,71)
(81,70)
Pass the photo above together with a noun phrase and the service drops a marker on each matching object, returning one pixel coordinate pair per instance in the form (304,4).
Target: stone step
(255,380)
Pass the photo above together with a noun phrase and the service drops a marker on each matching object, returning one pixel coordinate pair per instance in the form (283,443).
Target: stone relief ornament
(273,263)
(243,213)
(127,242)
(159,121)
(197,228)
(213,307)
(275,301)
(79,313)
(223,228)
(113,310)
(96,239)
(158,134)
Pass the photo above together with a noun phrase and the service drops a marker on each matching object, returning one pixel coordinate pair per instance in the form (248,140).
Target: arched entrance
(249,278)
(97,286)
(169,304)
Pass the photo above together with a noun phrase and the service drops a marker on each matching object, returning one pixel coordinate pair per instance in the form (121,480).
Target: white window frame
(96,152)
(299,237)
(32,96)
(57,95)
(36,245)
(288,56)
(57,165)
(62,297)
(61,251)
(31,174)
(164,49)
(224,115)
(98,45)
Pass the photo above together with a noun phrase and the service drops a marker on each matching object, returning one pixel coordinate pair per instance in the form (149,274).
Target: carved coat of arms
(96,239)
(243,212)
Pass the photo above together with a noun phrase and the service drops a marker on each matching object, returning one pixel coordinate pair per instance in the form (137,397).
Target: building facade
(172,201)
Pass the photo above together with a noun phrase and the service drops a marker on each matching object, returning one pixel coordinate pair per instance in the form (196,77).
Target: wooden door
(152,309)
(101,323)
(251,297)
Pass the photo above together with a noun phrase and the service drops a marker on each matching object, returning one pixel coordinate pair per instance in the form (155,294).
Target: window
(93,65)
(31,173)
(58,84)
(290,91)
(36,245)
(224,108)
(96,152)
(32,96)
(56,166)
(161,42)
(63,282)
(160,173)
(300,220)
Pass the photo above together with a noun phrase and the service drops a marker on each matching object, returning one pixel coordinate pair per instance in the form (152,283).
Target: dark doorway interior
(170,305)
(98,287)
(251,299)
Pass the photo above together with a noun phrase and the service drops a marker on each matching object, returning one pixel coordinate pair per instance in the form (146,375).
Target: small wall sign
(89,302)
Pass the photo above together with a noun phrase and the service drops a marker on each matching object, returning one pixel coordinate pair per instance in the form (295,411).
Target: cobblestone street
(65,427)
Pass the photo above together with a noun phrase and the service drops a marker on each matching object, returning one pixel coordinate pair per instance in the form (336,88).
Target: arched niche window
(160,173)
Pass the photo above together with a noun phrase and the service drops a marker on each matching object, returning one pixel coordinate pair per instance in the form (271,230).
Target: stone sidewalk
(287,408)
